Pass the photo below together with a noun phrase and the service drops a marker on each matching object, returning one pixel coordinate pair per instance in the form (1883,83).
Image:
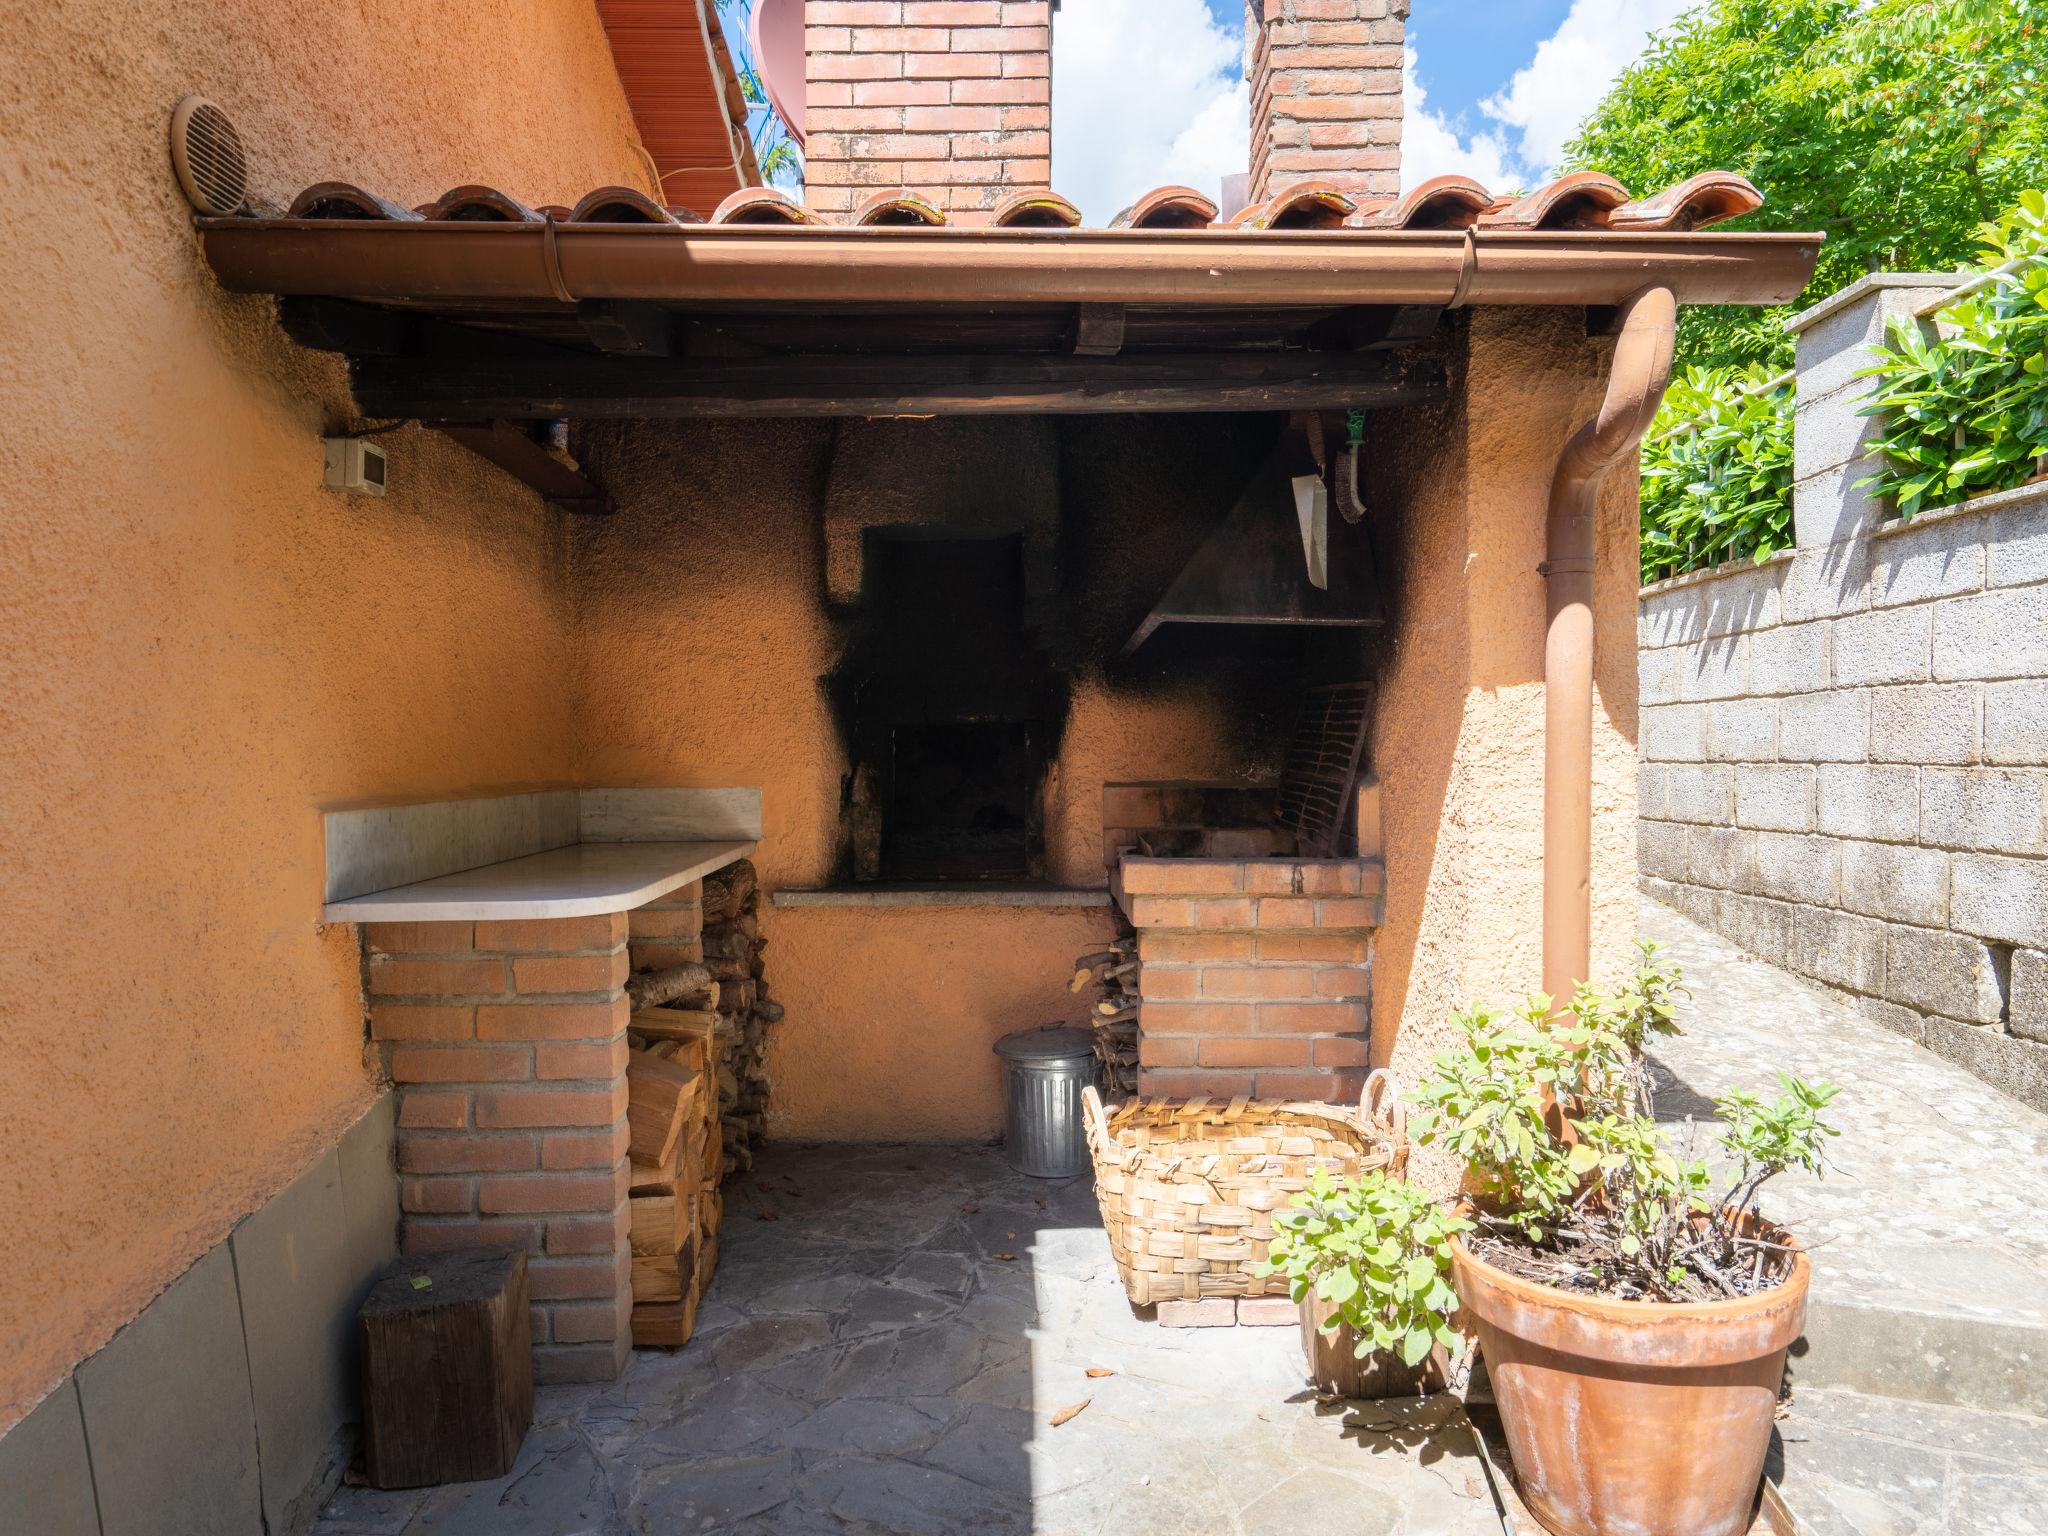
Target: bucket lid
(1050,1042)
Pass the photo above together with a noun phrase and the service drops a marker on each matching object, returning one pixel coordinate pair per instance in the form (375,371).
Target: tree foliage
(1717,472)
(1896,127)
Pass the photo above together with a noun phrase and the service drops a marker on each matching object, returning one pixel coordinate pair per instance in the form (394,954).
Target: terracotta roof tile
(1035,210)
(1168,208)
(1584,200)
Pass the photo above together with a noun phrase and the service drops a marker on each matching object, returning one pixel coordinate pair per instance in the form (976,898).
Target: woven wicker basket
(1188,1187)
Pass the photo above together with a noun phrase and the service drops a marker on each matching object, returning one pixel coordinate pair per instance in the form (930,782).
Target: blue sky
(1151,91)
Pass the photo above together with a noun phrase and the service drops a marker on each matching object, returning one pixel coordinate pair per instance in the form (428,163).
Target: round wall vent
(206,153)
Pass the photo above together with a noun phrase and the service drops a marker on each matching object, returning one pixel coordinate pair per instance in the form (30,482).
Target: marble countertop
(581,880)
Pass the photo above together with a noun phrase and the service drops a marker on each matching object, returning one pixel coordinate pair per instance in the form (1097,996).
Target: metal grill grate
(1322,765)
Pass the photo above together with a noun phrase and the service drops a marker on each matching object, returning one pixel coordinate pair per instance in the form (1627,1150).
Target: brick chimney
(1326,94)
(950,98)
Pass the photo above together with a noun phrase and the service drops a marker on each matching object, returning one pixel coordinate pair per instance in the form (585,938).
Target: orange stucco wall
(199,646)
(1459,745)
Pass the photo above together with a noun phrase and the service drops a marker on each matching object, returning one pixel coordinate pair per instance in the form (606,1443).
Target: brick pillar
(669,931)
(950,98)
(1255,975)
(507,1041)
(1326,94)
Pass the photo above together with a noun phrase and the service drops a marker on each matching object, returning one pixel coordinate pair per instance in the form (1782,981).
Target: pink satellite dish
(778,35)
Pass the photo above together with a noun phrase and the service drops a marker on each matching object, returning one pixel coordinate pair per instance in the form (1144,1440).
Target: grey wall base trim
(224,1408)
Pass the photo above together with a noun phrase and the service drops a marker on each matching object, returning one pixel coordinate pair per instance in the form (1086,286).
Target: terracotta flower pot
(1633,1418)
(1335,1367)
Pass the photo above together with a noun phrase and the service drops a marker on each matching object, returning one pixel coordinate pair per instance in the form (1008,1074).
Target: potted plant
(1369,1264)
(1633,1321)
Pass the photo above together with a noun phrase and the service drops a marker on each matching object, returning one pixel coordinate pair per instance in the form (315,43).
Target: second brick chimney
(950,98)
(1326,94)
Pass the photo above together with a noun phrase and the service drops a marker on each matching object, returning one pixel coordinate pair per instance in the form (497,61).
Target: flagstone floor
(888,1353)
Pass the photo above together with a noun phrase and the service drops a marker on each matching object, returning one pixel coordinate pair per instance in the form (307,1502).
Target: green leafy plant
(1552,1114)
(1717,471)
(1965,410)
(1378,1250)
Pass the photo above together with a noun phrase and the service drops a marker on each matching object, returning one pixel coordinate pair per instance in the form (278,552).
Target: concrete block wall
(1845,749)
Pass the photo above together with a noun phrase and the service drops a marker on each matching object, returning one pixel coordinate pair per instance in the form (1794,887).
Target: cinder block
(168,1414)
(1827,431)
(1660,849)
(1700,793)
(1774,797)
(1832,727)
(1950,974)
(1887,645)
(1264,1312)
(1793,658)
(1918,561)
(1832,505)
(1209,1312)
(2016,722)
(2027,997)
(1721,857)
(1896,881)
(1653,794)
(2001,633)
(1837,948)
(2015,1066)
(1899,1020)
(1714,669)
(45,1475)
(1834,348)
(1825,582)
(2019,540)
(1798,868)
(2000,898)
(1924,723)
(1869,801)
(1738,600)
(1675,733)
(299,1287)
(1758,925)
(1742,730)
(1997,810)
(1656,676)
(1669,618)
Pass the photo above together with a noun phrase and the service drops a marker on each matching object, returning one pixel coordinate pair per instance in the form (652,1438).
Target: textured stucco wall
(199,646)
(703,637)
(1459,747)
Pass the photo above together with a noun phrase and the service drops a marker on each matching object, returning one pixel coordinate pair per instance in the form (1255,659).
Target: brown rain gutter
(1648,325)
(458,261)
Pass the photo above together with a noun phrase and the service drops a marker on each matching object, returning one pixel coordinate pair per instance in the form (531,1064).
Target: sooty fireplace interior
(951,713)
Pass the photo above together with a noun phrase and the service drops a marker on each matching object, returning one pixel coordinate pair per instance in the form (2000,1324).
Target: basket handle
(1392,1113)
(1098,1122)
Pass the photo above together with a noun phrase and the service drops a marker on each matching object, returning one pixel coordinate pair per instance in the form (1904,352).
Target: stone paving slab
(1851,1465)
(1932,1202)
(868,1361)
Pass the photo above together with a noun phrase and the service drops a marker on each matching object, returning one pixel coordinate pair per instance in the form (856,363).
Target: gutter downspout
(1648,324)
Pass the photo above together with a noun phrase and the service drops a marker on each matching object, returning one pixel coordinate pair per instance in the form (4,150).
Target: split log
(689,983)
(659,1095)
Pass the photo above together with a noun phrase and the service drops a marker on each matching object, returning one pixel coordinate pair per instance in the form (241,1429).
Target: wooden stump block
(447,1369)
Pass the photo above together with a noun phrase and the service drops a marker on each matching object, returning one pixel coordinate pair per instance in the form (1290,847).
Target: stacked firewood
(732,954)
(1113,972)
(677,1161)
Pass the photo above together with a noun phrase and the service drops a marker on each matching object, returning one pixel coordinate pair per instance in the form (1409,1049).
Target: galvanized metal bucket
(1045,1071)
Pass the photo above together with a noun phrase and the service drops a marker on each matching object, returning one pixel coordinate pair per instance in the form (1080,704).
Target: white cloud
(1545,102)
(1432,146)
(1144,92)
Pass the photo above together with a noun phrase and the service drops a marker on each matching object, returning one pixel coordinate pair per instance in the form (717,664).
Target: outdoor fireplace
(950,713)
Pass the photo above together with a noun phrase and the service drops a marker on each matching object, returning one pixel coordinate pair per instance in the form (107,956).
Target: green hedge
(1966,411)
(1717,471)
(1963,412)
